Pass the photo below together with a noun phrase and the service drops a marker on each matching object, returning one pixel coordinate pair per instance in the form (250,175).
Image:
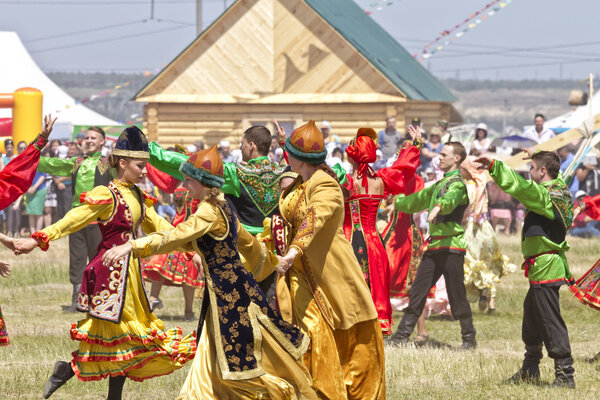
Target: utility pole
(198,17)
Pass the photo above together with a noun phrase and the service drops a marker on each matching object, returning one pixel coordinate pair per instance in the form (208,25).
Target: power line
(109,39)
(512,66)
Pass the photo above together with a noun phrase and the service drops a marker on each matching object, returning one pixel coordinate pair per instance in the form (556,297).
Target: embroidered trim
(307,227)
(223,236)
(39,142)
(39,235)
(131,154)
(85,198)
(201,175)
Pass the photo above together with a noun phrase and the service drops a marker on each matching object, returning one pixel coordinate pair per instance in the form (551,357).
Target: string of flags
(449,36)
(379,5)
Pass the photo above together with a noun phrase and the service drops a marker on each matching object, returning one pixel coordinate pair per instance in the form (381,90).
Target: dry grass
(32,297)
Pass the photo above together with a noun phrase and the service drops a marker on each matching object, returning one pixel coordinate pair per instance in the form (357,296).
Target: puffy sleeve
(456,195)
(206,219)
(592,206)
(163,181)
(166,161)
(415,202)
(97,205)
(257,258)
(17,176)
(325,199)
(400,177)
(232,182)
(152,221)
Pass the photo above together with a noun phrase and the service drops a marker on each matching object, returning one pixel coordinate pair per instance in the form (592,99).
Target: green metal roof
(381,49)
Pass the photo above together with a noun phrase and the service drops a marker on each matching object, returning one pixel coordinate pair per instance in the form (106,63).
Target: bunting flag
(449,36)
(379,5)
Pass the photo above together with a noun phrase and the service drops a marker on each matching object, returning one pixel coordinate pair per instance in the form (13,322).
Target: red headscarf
(363,152)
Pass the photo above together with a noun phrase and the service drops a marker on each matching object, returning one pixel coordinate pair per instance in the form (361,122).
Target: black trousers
(64,198)
(542,323)
(83,246)
(433,265)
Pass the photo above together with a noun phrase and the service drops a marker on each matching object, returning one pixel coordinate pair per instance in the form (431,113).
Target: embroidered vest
(103,288)
(102,175)
(442,188)
(237,305)
(553,229)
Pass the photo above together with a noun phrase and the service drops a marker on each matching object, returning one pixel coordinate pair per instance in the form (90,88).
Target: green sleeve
(56,166)
(166,161)
(415,202)
(341,173)
(456,195)
(232,183)
(533,196)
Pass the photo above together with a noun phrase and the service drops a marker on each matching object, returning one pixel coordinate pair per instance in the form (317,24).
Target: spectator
(337,157)
(274,143)
(21,146)
(330,144)
(537,132)
(432,147)
(446,136)
(500,208)
(583,226)
(225,150)
(199,145)
(389,140)
(588,175)
(481,144)
(9,148)
(566,157)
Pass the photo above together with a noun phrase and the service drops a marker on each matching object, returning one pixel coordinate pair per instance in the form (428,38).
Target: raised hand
(24,246)
(4,270)
(484,161)
(112,255)
(280,132)
(48,124)
(578,210)
(415,133)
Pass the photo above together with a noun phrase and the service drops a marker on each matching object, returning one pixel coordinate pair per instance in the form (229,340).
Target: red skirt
(587,288)
(174,268)
(3,333)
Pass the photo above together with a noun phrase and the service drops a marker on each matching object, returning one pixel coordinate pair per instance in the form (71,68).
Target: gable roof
(385,56)
(381,49)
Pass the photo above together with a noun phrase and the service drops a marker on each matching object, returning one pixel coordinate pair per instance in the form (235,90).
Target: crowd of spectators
(50,197)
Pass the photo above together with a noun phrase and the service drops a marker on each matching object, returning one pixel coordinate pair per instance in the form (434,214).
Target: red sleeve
(163,181)
(401,176)
(17,176)
(592,206)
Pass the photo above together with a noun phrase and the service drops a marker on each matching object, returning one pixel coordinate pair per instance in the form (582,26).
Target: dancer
(246,350)
(86,172)
(175,269)
(321,287)
(446,200)
(549,215)
(364,191)
(15,178)
(484,262)
(587,288)
(120,337)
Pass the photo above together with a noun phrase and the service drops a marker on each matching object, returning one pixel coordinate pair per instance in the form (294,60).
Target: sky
(527,39)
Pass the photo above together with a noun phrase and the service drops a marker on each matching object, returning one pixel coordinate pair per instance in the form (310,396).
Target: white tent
(18,70)
(575,117)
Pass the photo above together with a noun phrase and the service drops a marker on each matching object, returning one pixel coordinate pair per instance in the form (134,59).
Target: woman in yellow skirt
(120,337)
(320,285)
(246,350)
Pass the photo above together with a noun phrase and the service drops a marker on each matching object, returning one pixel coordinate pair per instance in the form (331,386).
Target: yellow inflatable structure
(26,105)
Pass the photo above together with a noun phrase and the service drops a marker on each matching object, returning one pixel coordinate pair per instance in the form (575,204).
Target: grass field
(31,300)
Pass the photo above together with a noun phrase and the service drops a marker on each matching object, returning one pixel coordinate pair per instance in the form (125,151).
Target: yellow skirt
(284,378)
(137,347)
(344,364)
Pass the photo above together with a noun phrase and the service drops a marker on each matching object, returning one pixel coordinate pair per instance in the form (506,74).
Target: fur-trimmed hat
(206,166)
(306,144)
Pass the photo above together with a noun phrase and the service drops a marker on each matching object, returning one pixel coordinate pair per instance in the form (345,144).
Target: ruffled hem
(85,198)
(45,244)
(4,341)
(82,335)
(152,273)
(585,298)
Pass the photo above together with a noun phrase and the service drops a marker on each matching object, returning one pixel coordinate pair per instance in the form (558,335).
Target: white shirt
(532,134)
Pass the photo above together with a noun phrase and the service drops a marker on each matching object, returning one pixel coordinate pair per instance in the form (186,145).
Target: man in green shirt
(252,187)
(86,172)
(446,201)
(549,216)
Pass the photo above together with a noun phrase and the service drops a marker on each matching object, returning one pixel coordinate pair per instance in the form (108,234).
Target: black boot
(563,372)
(405,329)
(467,331)
(530,371)
(62,373)
(74,298)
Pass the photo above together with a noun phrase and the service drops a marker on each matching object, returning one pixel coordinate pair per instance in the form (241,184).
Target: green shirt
(81,169)
(543,199)
(169,162)
(449,193)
